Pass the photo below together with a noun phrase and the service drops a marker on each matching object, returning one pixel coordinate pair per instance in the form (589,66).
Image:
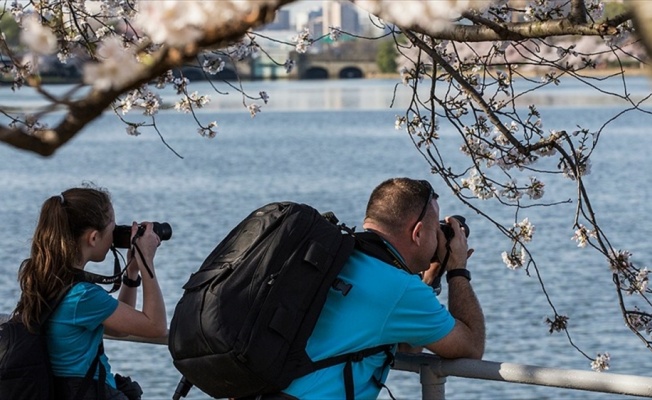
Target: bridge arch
(351,73)
(315,73)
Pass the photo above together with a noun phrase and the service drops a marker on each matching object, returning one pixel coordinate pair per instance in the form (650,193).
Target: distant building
(280,23)
(316,22)
(342,15)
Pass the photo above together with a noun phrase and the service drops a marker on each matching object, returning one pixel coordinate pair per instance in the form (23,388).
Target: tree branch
(83,111)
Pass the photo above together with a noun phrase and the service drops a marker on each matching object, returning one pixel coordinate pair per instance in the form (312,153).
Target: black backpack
(241,327)
(25,372)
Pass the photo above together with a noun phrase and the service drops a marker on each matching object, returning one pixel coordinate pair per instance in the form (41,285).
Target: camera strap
(436,283)
(115,279)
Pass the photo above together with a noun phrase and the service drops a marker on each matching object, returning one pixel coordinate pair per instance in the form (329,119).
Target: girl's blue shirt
(75,330)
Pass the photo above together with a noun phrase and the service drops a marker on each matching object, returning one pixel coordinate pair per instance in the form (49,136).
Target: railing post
(432,386)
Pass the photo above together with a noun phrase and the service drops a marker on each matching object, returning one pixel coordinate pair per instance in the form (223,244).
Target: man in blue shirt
(392,304)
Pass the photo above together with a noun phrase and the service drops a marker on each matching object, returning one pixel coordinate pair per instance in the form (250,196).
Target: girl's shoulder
(87,290)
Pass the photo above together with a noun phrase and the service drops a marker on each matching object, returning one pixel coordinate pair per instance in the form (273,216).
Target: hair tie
(61,198)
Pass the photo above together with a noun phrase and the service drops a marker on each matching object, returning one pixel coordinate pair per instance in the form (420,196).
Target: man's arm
(467,339)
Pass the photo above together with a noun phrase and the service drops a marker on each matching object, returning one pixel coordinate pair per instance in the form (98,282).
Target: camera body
(449,233)
(122,233)
(448,230)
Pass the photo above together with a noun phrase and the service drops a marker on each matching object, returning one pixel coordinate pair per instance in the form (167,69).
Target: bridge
(321,66)
(306,67)
(312,66)
(345,61)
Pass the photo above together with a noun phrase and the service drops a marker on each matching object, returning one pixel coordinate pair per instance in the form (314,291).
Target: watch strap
(458,272)
(131,282)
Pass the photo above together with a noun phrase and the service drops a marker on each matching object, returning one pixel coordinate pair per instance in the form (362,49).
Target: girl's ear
(91,237)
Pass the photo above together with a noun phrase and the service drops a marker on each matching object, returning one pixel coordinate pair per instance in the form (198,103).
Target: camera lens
(163,230)
(122,234)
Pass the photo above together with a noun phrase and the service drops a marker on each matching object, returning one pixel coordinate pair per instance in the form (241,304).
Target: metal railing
(433,371)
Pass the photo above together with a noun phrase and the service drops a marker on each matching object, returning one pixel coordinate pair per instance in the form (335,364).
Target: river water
(328,144)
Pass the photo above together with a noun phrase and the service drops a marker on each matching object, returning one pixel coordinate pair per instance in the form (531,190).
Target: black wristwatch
(458,272)
(130,282)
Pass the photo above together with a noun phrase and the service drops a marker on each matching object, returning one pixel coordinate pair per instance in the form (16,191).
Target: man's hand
(428,276)
(458,251)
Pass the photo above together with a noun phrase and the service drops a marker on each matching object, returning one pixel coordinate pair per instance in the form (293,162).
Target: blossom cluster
(178,23)
(638,283)
(424,13)
(479,185)
(117,65)
(639,321)
(601,362)
(303,41)
(620,260)
(523,231)
(143,98)
(193,100)
(516,258)
(582,235)
(37,37)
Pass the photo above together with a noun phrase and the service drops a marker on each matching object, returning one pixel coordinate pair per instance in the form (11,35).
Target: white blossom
(399,122)
(523,230)
(619,260)
(601,362)
(303,40)
(334,33)
(582,235)
(254,109)
(535,189)
(213,65)
(183,105)
(173,22)
(481,188)
(188,102)
(180,22)
(209,130)
(515,259)
(417,12)
(639,282)
(511,192)
(116,66)
(37,37)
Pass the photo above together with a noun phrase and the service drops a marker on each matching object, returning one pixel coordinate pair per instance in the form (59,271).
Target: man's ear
(417,233)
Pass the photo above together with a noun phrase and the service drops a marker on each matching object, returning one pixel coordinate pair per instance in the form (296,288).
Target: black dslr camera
(448,230)
(449,233)
(122,233)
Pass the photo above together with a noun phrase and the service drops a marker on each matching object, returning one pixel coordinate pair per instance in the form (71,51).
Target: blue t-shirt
(75,330)
(386,305)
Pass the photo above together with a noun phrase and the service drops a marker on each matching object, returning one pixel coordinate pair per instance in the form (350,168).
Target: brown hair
(396,203)
(56,248)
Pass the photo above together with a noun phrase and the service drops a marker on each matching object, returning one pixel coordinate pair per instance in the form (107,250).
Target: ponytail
(55,250)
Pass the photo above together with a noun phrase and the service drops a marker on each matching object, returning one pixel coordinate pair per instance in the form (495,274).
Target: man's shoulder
(366,270)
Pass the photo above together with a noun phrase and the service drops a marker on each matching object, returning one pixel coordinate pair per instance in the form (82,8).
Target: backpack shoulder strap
(349,358)
(375,246)
(45,315)
(88,378)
